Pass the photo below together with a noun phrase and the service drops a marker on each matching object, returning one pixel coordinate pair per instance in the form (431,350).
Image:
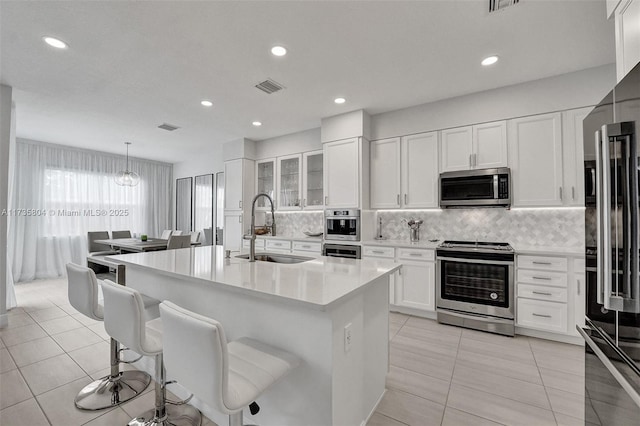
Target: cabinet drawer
(544,263)
(368,251)
(416,254)
(556,279)
(278,245)
(554,294)
(259,244)
(547,316)
(304,246)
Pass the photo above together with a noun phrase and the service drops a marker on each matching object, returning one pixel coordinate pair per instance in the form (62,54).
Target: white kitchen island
(302,308)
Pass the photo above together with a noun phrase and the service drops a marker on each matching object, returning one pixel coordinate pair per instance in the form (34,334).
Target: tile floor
(439,375)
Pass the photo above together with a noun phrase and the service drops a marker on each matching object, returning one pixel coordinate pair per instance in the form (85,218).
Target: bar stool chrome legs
(166,413)
(114,389)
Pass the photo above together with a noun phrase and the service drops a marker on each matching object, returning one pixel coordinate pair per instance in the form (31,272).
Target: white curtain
(12,302)
(66,192)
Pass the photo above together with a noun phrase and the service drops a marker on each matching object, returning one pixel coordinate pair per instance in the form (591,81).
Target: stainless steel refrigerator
(612,234)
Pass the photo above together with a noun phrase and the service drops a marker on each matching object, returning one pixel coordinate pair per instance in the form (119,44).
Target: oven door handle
(483,261)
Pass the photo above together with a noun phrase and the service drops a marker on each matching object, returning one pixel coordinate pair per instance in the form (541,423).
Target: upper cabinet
(404,172)
(342,167)
(238,184)
(573,156)
(266,182)
(474,147)
(289,182)
(312,181)
(535,158)
(627,24)
(385,173)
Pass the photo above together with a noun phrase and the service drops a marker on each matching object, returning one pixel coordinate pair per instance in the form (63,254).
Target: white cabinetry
(289,182)
(375,252)
(342,168)
(474,147)
(239,187)
(535,158)
(266,182)
(404,172)
(385,173)
(312,181)
(416,280)
(627,24)
(573,156)
(550,293)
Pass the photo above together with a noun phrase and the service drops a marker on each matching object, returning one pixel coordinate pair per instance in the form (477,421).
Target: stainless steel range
(475,285)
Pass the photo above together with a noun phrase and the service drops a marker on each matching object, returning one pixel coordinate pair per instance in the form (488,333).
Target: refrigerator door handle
(603,217)
(633,394)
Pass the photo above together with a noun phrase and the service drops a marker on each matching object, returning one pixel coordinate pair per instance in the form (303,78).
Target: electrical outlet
(347,337)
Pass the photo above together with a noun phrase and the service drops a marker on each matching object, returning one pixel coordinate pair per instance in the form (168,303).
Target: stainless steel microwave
(476,188)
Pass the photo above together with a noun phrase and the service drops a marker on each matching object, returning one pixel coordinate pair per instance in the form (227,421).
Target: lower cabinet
(280,245)
(416,285)
(233,231)
(550,293)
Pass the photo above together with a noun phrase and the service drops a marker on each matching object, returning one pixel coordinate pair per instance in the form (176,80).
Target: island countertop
(319,282)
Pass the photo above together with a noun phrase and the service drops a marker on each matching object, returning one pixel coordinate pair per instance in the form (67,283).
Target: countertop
(318,283)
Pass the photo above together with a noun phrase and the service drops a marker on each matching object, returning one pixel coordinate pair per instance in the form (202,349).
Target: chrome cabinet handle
(541,263)
(470,162)
(542,293)
(326,202)
(415,254)
(560,193)
(377,251)
(578,287)
(398,199)
(240,204)
(405,198)
(542,278)
(475,160)
(540,315)
(573,192)
(304,202)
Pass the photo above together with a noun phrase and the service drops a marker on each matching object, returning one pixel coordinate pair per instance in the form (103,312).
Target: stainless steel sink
(277,258)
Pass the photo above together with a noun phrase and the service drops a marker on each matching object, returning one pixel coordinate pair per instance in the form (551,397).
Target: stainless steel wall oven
(342,225)
(475,285)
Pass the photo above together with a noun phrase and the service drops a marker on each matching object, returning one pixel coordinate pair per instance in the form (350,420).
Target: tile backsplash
(293,224)
(529,227)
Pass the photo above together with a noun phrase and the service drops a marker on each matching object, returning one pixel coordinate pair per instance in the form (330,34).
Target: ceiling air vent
(269,86)
(169,127)
(495,5)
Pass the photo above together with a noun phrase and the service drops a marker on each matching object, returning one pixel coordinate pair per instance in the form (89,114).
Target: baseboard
(412,311)
(375,407)
(4,320)
(563,338)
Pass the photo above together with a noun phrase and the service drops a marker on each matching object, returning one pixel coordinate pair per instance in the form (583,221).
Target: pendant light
(127,177)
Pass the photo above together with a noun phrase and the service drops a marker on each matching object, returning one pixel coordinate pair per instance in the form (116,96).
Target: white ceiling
(132,66)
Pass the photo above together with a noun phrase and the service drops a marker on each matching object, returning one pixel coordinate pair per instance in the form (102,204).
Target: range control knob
(494,296)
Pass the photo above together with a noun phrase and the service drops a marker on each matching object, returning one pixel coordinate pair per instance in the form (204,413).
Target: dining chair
(97,249)
(166,234)
(195,237)
(179,241)
(176,232)
(120,234)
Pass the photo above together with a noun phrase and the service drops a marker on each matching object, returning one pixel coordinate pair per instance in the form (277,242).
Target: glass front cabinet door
(312,190)
(266,182)
(289,182)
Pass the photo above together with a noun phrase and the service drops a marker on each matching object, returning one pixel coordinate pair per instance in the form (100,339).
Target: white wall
(294,143)
(6,99)
(573,90)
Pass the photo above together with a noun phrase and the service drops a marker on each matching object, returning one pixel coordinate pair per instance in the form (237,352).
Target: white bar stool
(230,376)
(118,386)
(124,320)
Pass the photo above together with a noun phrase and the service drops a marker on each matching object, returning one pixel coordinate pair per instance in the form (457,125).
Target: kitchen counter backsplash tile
(293,224)
(555,227)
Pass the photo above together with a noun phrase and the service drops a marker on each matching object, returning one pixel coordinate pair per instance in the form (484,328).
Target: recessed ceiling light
(54,42)
(278,51)
(490,60)
(206,103)
(257,123)
(339,100)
